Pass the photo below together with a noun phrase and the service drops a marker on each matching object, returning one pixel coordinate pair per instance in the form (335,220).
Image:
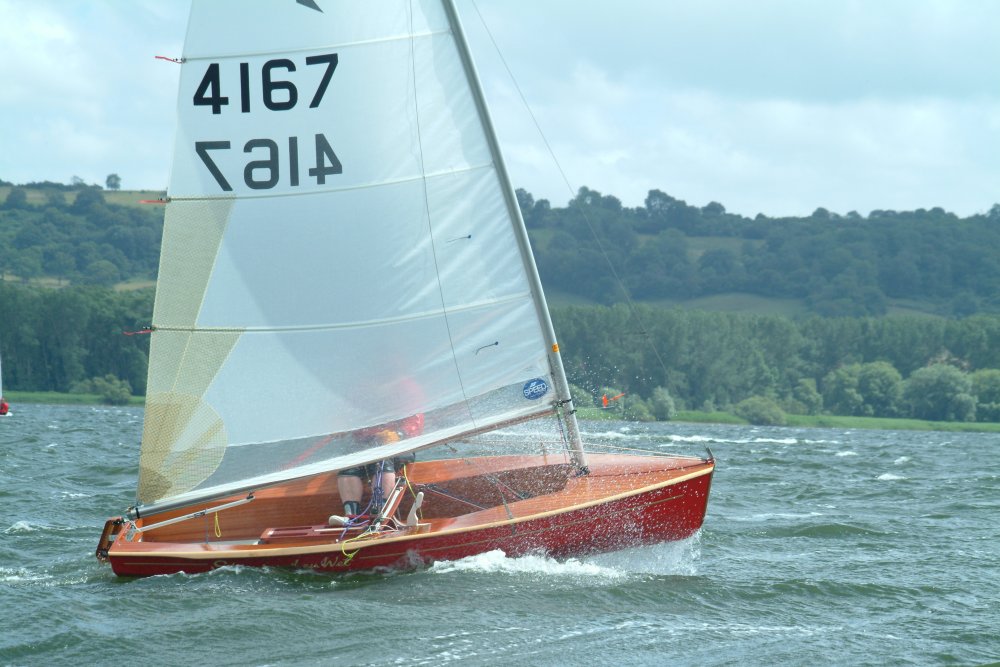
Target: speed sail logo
(535,389)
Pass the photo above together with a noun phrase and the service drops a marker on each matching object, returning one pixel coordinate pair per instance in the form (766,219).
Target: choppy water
(821,547)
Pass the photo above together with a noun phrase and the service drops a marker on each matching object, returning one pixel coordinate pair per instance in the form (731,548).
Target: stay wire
(633,310)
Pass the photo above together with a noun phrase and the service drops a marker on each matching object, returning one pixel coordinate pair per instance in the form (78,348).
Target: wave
(692,438)
(847,453)
(23,527)
(889,477)
(21,575)
(768,516)
(497,562)
(666,558)
(823,530)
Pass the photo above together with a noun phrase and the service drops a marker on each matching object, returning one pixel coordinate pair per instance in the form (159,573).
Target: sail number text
(277,94)
(264,174)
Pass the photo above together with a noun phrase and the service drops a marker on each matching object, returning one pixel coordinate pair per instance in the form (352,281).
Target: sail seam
(322,47)
(354,325)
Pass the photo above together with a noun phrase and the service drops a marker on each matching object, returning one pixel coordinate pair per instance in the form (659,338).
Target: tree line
(89,241)
(61,339)
(838,265)
(848,359)
(897,366)
(925,367)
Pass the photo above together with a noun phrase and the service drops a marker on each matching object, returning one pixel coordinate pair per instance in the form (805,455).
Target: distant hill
(597,251)
(55,235)
(668,252)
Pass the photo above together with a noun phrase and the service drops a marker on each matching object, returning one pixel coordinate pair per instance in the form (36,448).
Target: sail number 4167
(277,95)
(264,174)
(209,92)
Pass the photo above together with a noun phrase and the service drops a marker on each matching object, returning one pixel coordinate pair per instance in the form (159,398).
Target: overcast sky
(766,106)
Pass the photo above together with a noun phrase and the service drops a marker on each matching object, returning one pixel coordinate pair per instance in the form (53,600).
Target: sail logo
(535,389)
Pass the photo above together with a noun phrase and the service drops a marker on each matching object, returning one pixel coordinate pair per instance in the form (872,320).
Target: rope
(607,258)
(433,488)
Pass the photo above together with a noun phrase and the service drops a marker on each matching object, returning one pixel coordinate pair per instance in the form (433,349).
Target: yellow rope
(348,557)
(218,530)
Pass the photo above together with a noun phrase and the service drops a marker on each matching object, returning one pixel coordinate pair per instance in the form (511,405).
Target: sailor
(380,475)
(4,406)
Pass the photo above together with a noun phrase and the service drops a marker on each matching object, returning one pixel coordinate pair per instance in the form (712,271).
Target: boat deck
(507,496)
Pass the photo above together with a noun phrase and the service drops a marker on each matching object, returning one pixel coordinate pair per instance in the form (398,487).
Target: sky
(766,106)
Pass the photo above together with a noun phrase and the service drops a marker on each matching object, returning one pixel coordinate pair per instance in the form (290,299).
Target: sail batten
(354,325)
(422,177)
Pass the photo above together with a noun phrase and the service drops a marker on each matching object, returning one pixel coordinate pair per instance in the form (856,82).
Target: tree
(581,397)
(113,182)
(17,198)
(840,391)
(881,389)
(986,387)
(940,393)
(662,404)
(806,394)
(87,201)
(635,409)
(112,390)
(101,272)
(761,411)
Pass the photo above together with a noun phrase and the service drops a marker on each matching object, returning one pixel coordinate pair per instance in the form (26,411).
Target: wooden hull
(539,505)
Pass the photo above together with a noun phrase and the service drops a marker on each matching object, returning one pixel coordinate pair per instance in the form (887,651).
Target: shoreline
(598,414)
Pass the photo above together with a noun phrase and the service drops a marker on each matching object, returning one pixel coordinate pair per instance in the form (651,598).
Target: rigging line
(607,258)
(434,488)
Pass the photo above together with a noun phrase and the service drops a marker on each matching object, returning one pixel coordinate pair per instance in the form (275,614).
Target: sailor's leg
(351,488)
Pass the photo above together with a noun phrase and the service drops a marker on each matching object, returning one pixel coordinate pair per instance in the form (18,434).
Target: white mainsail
(341,250)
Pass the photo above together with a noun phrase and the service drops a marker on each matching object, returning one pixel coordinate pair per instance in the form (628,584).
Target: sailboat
(4,406)
(345,280)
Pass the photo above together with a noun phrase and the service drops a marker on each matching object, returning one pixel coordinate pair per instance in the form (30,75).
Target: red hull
(670,509)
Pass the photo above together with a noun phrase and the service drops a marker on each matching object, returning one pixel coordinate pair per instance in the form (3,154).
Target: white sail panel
(338,254)
(390,111)
(220,27)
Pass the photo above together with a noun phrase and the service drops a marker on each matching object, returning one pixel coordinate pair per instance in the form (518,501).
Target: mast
(524,245)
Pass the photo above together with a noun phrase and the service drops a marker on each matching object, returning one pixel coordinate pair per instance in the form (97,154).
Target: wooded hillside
(64,252)
(850,265)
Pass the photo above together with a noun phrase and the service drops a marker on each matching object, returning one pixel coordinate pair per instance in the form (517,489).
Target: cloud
(774,106)
(83,92)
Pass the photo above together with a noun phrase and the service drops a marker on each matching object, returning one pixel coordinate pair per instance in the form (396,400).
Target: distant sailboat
(4,406)
(345,279)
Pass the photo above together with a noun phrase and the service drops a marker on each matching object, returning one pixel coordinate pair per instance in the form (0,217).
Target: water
(821,547)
